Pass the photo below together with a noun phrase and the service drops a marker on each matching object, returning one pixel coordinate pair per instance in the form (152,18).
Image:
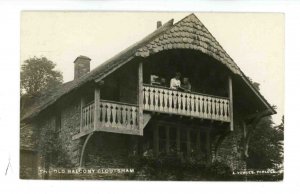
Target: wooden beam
(156,140)
(167,139)
(230,101)
(81,161)
(96,107)
(140,98)
(178,140)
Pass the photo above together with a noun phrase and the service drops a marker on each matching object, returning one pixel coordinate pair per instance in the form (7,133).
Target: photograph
(152,96)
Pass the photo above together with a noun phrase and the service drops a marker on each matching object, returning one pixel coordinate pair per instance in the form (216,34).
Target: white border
(9,98)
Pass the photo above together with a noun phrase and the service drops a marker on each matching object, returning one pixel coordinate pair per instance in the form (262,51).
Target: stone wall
(230,150)
(70,125)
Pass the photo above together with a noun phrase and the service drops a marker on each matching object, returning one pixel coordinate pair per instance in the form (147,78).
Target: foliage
(173,167)
(266,145)
(38,75)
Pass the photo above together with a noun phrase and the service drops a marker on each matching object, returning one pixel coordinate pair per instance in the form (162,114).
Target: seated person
(175,82)
(186,85)
(163,82)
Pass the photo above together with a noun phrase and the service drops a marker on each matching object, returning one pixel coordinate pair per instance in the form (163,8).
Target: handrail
(120,103)
(111,101)
(197,93)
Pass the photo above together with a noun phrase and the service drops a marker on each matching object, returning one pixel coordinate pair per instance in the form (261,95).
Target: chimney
(81,66)
(158,24)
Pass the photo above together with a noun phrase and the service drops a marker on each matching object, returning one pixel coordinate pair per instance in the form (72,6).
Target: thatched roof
(188,33)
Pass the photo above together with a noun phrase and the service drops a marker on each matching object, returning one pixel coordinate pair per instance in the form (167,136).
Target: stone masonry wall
(70,125)
(230,150)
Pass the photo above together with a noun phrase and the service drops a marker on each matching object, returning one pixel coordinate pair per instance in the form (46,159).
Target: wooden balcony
(196,105)
(111,117)
(118,117)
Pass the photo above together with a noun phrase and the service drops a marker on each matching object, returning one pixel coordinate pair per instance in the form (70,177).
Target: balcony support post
(96,107)
(140,98)
(230,102)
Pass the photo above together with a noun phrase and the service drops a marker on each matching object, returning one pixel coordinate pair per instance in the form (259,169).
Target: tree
(38,75)
(266,149)
(266,144)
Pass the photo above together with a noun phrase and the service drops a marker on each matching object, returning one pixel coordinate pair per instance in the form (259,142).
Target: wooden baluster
(209,107)
(124,114)
(171,101)
(175,101)
(218,109)
(222,110)
(192,108)
(87,116)
(225,111)
(128,112)
(188,104)
(114,114)
(151,104)
(146,94)
(161,100)
(166,100)
(228,111)
(119,124)
(197,106)
(182,103)
(156,105)
(213,108)
(204,107)
(90,114)
(134,123)
(104,114)
(108,111)
(100,114)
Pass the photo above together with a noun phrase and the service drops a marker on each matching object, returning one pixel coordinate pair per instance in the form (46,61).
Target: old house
(126,107)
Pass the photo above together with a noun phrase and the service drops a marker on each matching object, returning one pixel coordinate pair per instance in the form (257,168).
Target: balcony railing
(117,116)
(165,100)
(113,115)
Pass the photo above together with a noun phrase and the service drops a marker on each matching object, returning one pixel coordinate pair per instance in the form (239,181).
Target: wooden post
(207,145)
(140,98)
(82,103)
(167,139)
(230,102)
(178,140)
(96,107)
(188,143)
(156,140)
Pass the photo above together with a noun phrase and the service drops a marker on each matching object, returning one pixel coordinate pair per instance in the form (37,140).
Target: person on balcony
(163,82)
(186,85)
(175,82)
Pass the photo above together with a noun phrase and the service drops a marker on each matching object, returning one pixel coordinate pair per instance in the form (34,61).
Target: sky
(255,41)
